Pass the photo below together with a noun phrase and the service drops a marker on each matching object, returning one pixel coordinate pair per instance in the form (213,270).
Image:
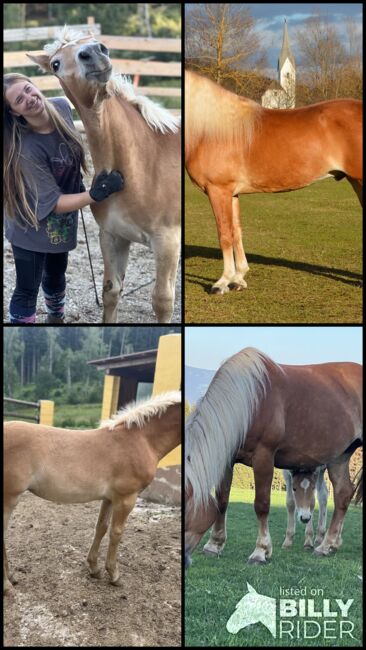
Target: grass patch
(214,586)
(304,250)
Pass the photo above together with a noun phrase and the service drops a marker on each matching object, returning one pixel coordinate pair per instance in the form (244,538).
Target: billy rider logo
(294,618)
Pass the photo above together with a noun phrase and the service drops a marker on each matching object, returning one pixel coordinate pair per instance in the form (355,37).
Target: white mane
(218,426)
(157,117)
(138,413)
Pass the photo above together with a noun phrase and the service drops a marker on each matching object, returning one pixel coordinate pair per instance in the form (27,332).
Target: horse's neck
(113,132)
(164,434)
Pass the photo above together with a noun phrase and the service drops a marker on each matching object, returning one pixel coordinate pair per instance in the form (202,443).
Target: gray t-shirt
(48,161)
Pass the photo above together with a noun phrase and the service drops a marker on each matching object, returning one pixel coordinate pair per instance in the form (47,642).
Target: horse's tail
(358,491)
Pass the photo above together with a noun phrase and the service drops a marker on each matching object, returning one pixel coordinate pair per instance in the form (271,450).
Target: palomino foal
(300,496)
(112,464)
(140,139)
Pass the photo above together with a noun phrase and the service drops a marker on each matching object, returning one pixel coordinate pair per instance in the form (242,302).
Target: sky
(207,347)
(270,19)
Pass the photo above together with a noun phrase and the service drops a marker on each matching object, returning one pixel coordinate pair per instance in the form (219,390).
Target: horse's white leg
(100,530)
(222,206)
(166,249)
(241,263)
(217,540)
(291,509)
(263,475)
(343,492)
(115,252)
(121,509)
(322,492)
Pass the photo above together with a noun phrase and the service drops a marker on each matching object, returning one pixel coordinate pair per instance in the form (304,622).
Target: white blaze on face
(305,484)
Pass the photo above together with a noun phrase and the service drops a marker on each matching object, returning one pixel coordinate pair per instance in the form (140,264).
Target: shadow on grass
(339,275)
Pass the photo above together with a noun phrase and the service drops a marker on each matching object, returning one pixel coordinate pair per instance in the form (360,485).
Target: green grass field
(214,586)
(304,250)
(73,416)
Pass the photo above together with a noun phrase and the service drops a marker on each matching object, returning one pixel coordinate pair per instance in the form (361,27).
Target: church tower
(286,70)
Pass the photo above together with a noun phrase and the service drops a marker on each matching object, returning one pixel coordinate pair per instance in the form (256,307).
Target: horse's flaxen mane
(157,117)
(139,413)
(217,428)
(212,112)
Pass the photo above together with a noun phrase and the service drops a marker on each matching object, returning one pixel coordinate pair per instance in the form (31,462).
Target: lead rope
(90,262)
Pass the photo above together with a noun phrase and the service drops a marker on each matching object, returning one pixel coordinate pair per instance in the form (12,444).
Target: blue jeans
(32,270)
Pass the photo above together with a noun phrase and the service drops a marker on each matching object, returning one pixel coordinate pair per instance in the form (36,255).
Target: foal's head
(76,59)
(303,487)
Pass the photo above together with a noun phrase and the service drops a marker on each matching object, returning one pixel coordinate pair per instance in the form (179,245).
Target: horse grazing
(263,414)
(140,139)
(300,496)
(112,464)
(237,147)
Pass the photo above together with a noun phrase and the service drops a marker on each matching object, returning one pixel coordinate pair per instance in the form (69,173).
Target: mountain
(196,382)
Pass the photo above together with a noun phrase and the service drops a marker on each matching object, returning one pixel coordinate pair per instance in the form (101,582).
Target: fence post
(168,377)
(46,411)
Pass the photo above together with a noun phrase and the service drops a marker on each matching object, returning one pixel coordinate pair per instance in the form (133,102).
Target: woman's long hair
(16,188)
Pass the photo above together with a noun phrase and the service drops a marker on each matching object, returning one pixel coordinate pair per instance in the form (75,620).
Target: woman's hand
(106,184)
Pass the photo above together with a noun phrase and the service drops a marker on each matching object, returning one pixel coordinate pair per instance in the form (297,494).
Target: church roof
(286,50)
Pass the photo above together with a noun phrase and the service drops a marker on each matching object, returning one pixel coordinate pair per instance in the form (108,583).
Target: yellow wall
(168,376)
(110,396)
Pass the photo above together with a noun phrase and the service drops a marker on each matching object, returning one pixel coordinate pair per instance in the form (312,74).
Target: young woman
(43,193)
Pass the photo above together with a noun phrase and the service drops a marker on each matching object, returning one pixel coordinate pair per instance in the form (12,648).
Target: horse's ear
(251,589)
(42,60)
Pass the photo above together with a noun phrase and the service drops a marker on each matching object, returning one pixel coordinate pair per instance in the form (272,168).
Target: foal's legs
(228,229)
(343,492)
(291,509)
(100,530)
(115,252)
(216,543)
(9,505)
(322,492)
(121,509)
(166,249)
(263,474)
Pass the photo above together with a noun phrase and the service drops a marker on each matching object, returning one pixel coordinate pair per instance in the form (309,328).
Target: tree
(220,40)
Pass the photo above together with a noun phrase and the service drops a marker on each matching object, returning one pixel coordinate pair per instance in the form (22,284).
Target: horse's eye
(294,489)
(55,65)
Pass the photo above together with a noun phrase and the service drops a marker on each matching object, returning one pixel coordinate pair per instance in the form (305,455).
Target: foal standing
(112,464)
(300,496)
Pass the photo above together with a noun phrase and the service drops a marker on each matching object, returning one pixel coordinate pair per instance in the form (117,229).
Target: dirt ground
(80,307)
(57,603)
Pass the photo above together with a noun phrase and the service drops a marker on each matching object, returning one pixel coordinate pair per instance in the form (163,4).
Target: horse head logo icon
(253,608)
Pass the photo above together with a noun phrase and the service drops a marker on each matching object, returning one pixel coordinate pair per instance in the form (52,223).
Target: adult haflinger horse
(234,146)
(112,464)
(132,134)
(263,414)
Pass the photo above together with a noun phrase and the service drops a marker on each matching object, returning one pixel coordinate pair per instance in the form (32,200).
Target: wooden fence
(146,67)
(40,412)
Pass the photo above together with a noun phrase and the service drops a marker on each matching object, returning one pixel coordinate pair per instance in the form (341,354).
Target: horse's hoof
(254,561)
(117,583)
(206,551)
(309,546)
(97,575)
(235,286)
(219,290)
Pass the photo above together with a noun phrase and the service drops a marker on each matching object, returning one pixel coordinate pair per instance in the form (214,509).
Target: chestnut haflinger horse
(112,464)
(300,497)
(234,146)
(140,139)
(267,415)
